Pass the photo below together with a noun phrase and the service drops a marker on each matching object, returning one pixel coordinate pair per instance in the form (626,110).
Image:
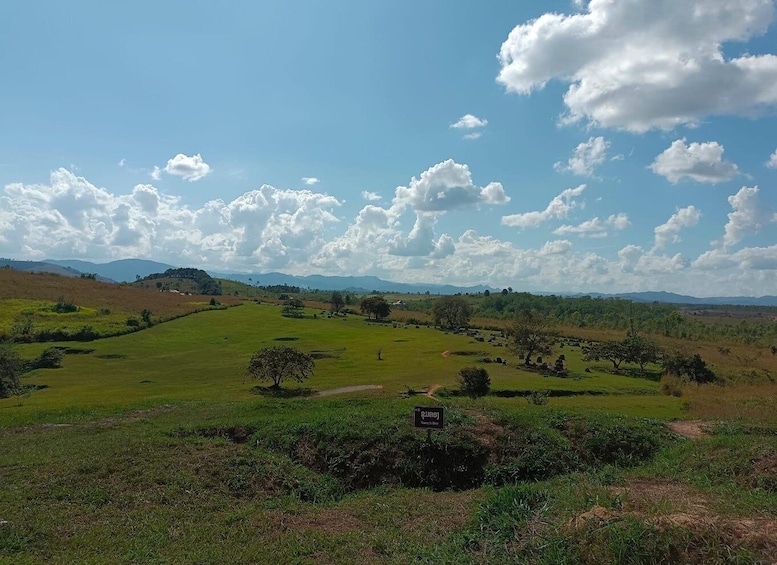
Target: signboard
(429,417)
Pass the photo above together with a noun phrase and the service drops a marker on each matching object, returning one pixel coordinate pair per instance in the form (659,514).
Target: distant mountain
(671,298)
(39,267)
(124,270)
(361,285)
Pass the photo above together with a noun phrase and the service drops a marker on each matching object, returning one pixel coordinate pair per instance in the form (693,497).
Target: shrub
(474,381)
(10,369)
(538,398)
(51,358)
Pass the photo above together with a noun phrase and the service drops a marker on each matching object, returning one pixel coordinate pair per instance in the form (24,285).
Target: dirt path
(344,389)
(692,429)
(432,390)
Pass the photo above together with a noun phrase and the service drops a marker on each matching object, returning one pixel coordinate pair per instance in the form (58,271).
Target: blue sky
(558,146)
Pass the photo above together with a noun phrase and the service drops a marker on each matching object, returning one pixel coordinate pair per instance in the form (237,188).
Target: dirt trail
(432,389)
(692,429)
(345,389)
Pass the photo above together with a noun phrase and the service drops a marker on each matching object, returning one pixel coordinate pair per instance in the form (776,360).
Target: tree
(531,333)
(293,308)
(451,311)
(376,305)
(474,381)
(641,351)
(694,368)
(10,370)
(613,351)
(280,363)
(337,302)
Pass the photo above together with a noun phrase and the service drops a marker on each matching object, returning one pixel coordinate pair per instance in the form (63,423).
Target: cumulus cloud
(468,121)
(586,157)
(772,162)
(702,162)
(446,186)
(557,208)
(311,181)
(668,232)
(156,173)
(595,227)
(190,168)
(636,66)
(263,228)
(370,196)
(748,217)
(122,162)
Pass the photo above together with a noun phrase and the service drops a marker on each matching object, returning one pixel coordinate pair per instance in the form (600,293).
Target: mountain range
(128,270)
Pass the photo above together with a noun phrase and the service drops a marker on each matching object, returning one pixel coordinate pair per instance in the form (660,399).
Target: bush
(538,398)
(474,381)
(51,358)
(10,369)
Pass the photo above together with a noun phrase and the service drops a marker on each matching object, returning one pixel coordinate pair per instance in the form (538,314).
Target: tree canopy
(375,305)
(280,363)
(474,381)
(451,311)
(531,333)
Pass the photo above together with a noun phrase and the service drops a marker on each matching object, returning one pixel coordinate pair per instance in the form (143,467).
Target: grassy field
(152,448)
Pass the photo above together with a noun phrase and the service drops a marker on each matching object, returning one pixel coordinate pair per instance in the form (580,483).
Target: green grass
(152,449)
(204,358)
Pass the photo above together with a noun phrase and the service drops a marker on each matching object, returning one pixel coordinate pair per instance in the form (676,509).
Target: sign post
(429,418)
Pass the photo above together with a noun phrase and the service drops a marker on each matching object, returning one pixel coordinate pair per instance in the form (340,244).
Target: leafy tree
(376,305)
(613,351)
(474,381)
(280,363)
(530,333)
(293,308)
(641,351)
(694,368)
(337,301)
(451,311)
(10,369)
(486,292)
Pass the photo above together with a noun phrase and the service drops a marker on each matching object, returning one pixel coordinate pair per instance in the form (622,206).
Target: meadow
(153,447)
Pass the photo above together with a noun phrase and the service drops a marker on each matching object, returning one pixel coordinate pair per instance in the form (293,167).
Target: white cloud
(772,162)
(668,232)
(446,186)
(556,247)
(749,215)
(637,66)
(122,162)
(156,174)
(311,181)
(69,217)
(473,135)
(468,121)
(557,208)
(370,196)
(595,227)
(586,157)
(190,168)
(702,162)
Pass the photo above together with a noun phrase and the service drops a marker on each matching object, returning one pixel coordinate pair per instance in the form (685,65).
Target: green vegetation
(280,363)
(152,446)
(474,381)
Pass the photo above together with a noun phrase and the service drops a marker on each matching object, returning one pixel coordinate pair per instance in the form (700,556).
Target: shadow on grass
(278,392)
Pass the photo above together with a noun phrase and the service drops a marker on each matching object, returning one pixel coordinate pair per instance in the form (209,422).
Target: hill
(123,270)
(46,306)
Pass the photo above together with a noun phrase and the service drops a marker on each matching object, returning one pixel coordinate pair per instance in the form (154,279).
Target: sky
(571,146)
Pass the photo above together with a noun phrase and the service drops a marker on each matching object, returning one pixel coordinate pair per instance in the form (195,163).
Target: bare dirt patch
(486,430)
(691,429)
(346,389)
(675,505)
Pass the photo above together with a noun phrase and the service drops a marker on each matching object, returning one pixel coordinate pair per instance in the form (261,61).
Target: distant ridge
(123,270)
(127,270)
